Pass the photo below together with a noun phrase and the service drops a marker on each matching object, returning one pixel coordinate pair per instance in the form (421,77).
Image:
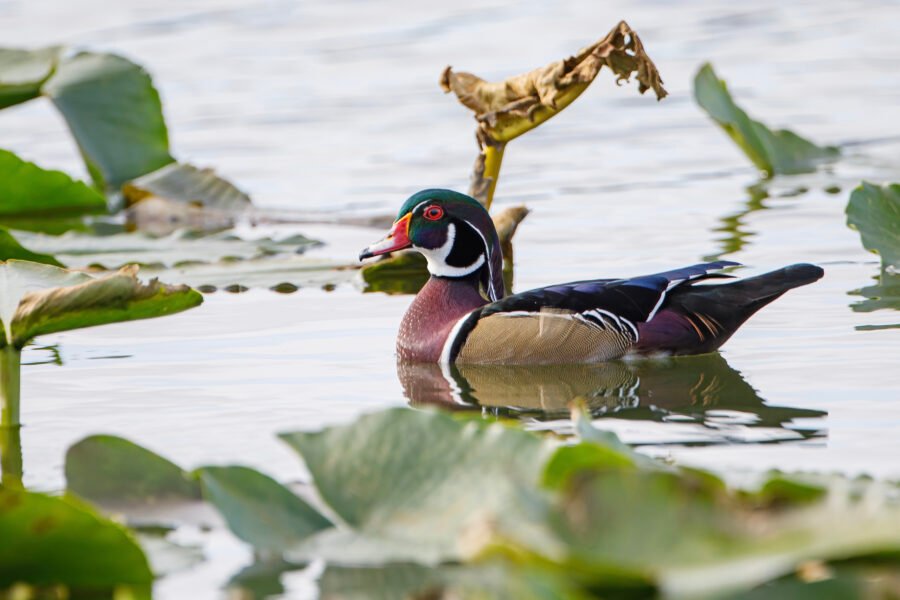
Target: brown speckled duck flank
(431,316)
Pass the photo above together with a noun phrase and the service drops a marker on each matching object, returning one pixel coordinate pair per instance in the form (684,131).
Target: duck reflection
(684,388)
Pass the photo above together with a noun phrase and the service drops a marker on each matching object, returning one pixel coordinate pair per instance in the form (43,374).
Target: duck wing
(577,322)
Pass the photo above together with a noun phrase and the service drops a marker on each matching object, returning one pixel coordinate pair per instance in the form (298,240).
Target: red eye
(433,212)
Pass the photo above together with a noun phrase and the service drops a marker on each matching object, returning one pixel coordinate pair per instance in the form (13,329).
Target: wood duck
(462,314)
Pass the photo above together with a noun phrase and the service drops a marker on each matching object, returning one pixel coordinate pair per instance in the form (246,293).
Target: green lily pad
(874,211)
(50,541)
(28,190)
(106,469)
(23,72)
(447,581)
(780,152)
(411,483)
(11,248)
(36,299)
(115,114)
(707,539)
(258,509)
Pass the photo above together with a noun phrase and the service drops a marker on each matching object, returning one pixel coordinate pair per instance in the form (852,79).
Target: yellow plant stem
(10,426)
(493,158)
(11,457)
(10,367)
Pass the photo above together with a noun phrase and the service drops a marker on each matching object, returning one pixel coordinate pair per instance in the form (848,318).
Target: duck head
(455,234)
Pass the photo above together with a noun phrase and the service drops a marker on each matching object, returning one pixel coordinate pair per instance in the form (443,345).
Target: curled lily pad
(780,152)
(29,190)
(36,299)
(115,114)
(23,72)
(507,109)
(874,211)
(181,196)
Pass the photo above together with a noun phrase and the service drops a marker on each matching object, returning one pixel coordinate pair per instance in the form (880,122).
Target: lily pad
(187,184)
(106,469)
(28,190)
(258,509)
(115,114)
(36,299)
(435,478)
(11,248)
(874,211)
(23,72)
(780,152)
(176,249)
(59,541)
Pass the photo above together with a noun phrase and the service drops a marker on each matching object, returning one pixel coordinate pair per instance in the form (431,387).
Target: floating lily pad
(28,190)
(176,249)
(115,114)
(874,211)
(780,152)
(36,299)
(23,72)
(59,541)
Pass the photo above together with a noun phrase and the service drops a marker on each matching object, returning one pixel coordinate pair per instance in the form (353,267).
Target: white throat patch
(437,258)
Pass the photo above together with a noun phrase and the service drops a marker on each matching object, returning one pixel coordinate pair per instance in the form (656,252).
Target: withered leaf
(507,109)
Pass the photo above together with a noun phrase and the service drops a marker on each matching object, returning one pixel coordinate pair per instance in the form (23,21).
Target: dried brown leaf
(507,109)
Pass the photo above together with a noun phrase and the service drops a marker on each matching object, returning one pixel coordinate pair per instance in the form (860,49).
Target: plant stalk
(10,371)
(493,159)
(11,457)
(10,425)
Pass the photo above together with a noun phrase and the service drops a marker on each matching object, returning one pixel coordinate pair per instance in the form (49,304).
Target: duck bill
(397,239)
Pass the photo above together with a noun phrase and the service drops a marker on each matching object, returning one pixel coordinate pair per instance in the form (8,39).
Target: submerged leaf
(28,190)
(258,509)
(780,152)
(22,72)
(507,109)
(36,299)
(115,114)
(176,249)
(874,211)
(47,541)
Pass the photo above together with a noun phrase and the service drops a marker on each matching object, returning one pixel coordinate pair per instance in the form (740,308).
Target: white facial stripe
(437,258)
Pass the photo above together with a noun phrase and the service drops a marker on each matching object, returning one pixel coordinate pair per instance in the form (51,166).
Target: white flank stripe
(448,344)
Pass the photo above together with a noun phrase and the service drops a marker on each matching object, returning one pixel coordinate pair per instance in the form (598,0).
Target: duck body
(463,316)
